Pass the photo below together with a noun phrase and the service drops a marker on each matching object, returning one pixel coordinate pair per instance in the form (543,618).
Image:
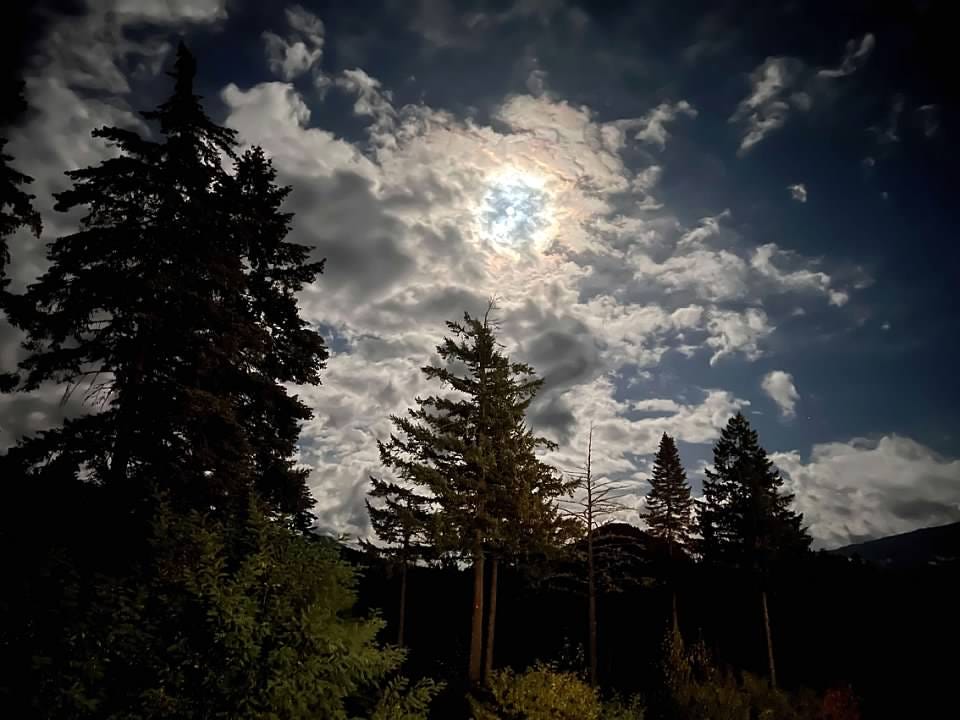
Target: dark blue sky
(827,313)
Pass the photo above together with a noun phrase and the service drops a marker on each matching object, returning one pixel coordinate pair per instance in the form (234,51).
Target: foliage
(16,208)
(222,621)
(173,306)
(630,708)
(471,454)
(540,693)
(699,689)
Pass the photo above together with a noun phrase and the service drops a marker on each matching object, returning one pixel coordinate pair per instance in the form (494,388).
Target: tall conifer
(669,506)
(173,309)
(745,516)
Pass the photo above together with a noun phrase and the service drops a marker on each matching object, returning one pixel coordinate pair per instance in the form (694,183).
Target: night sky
(684,209)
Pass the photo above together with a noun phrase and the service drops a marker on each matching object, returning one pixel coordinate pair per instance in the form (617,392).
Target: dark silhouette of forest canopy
(160,554)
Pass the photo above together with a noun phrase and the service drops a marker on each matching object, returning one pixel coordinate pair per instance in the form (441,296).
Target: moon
(515,210)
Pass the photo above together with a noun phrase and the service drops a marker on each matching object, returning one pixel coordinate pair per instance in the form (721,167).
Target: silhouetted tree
(527,524)
(16,208)
(400,520)
(745,516)
(473,456)
(597,500)
(669,513)
(174,304)
(444,446)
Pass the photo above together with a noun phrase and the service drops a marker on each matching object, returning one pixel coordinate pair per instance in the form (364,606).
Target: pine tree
(174,307)
(400,521)
(745,516)
(669,506)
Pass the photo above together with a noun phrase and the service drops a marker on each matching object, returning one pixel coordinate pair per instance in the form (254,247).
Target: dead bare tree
(591,507)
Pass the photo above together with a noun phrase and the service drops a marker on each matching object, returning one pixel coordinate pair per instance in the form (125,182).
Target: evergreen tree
(527,524)
(669,505)
(745,517)
(16,208)
(174,305)
(400,521)
(471,454)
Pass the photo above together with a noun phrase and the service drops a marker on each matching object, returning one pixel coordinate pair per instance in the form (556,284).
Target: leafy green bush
(540,693)
(701,690)
(617,708)
(242,621)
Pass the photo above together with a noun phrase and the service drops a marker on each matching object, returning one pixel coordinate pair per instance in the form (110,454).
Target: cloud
(798,192)
(779,386)
(301,50)
(802,279)
(653,125)
(780,85)
(769,103)
(864,489)
(855,57)
(595,290)
(737,332)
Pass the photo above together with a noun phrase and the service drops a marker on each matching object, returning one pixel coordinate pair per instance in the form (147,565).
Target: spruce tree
(669,506)
(173,307)
(745,516)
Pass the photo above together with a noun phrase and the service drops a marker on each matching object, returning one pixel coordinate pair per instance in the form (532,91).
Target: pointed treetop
(185,70)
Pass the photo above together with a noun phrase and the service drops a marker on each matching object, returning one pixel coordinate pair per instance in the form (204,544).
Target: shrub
(540,693)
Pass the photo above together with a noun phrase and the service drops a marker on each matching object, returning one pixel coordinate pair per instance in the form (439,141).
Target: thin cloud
(854,58)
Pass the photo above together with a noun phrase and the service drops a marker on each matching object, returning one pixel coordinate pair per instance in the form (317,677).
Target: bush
(247,621)
(631,708)
(540,693)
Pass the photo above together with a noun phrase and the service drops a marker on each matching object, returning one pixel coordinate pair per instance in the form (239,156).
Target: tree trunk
(591,611)
(403,603)
(491,619)
(673,588)
(474,674)
(676,621)
(766,627)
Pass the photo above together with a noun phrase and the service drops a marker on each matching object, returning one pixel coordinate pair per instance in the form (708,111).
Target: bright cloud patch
(865,489)
(779,386)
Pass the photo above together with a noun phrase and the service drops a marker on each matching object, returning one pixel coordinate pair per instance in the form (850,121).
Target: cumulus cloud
(733,331)
(798,192)
(864,489)
(855,56)
(779,386)
(300,50)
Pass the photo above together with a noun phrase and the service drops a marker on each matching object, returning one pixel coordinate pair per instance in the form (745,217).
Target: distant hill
(929,546)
